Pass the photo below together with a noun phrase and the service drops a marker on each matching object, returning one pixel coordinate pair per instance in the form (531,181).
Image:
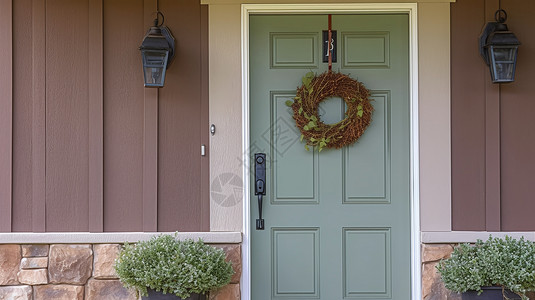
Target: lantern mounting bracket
(500,16)
(157,21)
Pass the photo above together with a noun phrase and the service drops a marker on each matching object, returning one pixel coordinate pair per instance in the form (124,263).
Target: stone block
(228,292)
(233,252)
(34,262)
(20,292)
(58,292)
(33,276)
(429,276)
(431,252)
(34,250)
(432,285)
(105,255)
(108,289)
(10,256)
(70,264)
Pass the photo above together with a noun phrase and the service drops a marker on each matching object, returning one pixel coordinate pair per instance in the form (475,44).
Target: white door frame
(411,9)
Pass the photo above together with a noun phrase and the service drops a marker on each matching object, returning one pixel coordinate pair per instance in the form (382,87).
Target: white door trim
(411,9)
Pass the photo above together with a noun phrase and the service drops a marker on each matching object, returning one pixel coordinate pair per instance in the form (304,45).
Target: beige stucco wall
(434,103)
(225,90)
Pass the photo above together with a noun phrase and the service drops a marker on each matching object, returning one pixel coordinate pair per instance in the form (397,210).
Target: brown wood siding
(93,150)
(179,136)
(123,116)
(96,117)
(22,116)
(518,124)
(493,131)
(204,121)
(468,117)
(38,144)
(6,113)
(67,92)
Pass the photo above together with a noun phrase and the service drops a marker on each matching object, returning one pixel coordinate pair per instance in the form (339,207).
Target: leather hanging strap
(329,44)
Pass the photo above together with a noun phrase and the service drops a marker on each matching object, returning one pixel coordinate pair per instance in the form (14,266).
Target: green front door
(337,223)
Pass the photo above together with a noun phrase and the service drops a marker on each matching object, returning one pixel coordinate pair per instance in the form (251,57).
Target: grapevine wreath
(316,89)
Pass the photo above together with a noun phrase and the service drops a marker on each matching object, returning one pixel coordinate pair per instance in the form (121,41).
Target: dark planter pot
(154,295)
(490,293)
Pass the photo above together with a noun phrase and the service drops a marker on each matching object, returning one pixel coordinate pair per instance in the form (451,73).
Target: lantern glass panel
(154,66)
(503,62)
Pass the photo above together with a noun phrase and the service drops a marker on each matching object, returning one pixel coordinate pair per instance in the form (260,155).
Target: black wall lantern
(499,48)
(157,51)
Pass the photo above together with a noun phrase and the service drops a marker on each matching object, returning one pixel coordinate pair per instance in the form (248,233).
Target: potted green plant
(167,268)
(494,269)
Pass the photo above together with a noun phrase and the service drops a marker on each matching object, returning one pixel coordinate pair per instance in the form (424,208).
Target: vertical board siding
(150,161)
(123,115)
(22,116)
(93,149)
(468,116)
(203,124)
(493,129)
(38,143)
(6,112)
(150,141)
(518,124)
(96,121)
(179,166)
(67,115)
(492,141)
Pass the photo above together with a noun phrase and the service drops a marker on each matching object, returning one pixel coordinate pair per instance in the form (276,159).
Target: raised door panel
(295,262)
(366,263)
(287,158)
(372,153)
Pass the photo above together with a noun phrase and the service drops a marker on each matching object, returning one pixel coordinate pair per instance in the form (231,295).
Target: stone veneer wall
(78,272)
(432,286)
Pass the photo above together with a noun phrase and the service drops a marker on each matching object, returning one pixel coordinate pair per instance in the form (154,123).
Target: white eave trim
(113,237)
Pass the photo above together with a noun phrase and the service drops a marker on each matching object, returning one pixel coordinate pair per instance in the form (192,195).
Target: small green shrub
(171,266)
(508,263)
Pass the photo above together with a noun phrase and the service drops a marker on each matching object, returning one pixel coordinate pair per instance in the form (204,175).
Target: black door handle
(260,185)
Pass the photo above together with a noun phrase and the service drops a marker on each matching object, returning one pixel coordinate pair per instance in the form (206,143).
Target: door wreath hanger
(316,89)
